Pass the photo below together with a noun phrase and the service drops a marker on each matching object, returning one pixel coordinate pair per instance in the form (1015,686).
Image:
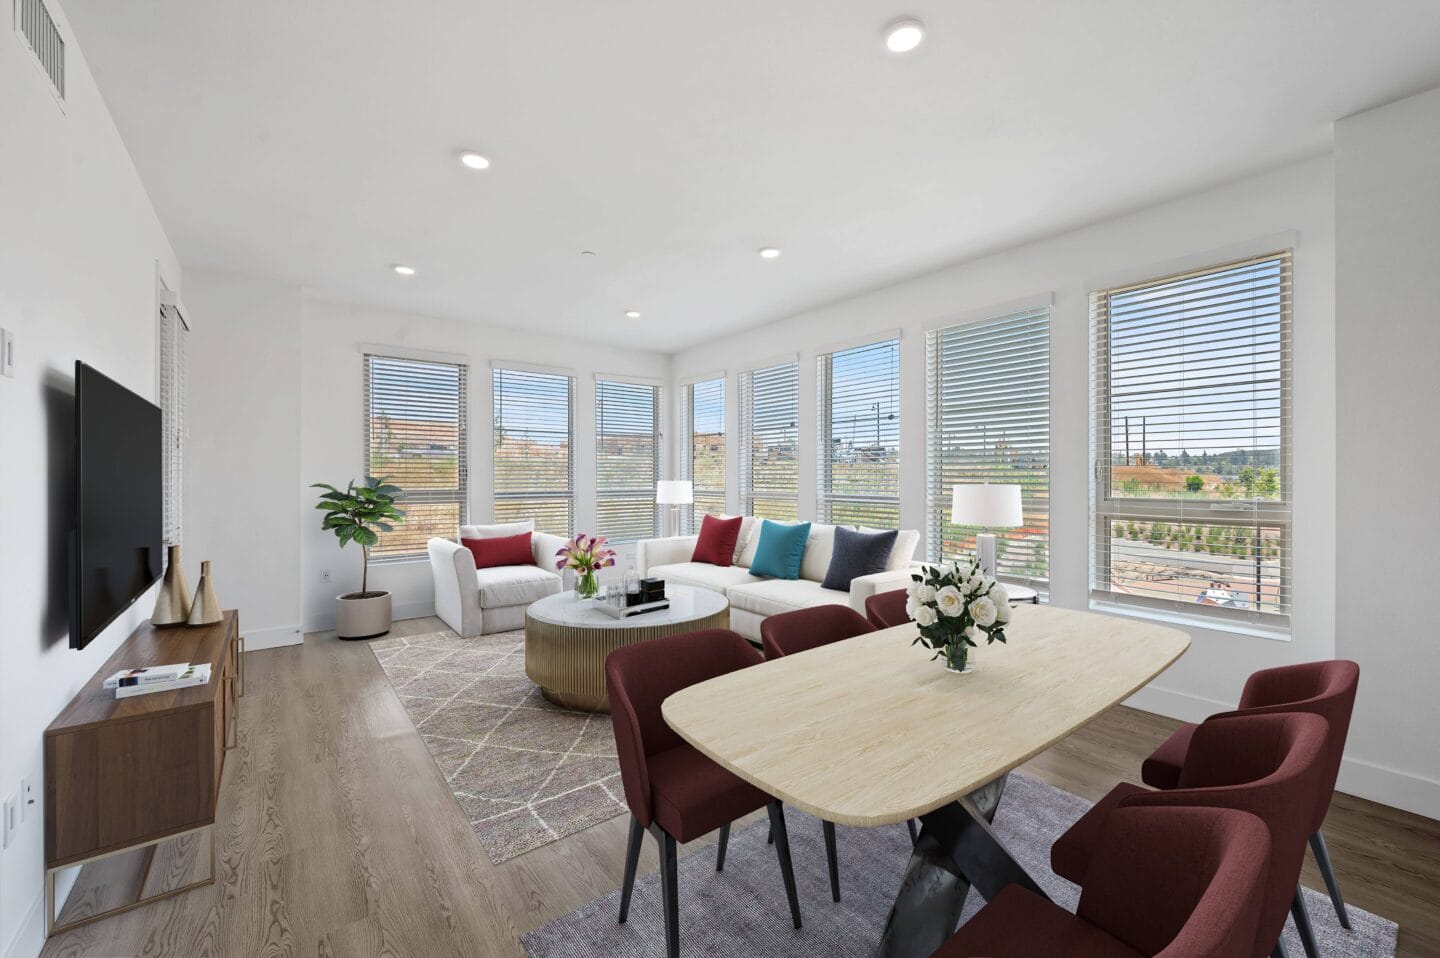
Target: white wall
(81,255)
(242,469)
(1297,198)
(333,432)
(1387,201)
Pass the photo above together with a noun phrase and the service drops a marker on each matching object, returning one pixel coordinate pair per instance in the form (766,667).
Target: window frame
(749,492)
(825,499)
(1106,508)
(498,369)
(657,442)
(462,490)
(691,518)
(937,501)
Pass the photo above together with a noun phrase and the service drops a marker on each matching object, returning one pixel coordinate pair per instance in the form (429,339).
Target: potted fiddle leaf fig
(358,514)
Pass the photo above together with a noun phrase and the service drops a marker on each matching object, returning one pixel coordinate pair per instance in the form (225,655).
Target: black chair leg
(782,851)
(914,832)
(832,859)
(632,858)
(1302,924)
(1280,951)
(1327,871)
(723,843)
(670,892)
(770,836)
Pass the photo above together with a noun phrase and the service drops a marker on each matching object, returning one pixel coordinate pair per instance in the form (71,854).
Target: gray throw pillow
(857,554)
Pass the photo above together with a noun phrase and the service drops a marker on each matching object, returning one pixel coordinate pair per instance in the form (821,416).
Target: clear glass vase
(957,659)
(587,586)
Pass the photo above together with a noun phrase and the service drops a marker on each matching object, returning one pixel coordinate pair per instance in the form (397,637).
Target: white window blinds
(988,405)
(704,466)
(1191,442)
(416,436)
(769,472)
(627,459)
(173,332)
(858,466)
(534,437)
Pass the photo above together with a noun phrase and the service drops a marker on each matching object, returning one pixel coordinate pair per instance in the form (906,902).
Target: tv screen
(117,552)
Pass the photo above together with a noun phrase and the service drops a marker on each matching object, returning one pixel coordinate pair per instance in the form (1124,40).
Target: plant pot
(362,615)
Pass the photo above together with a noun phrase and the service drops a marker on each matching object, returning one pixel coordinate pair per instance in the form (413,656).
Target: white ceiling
(315,141)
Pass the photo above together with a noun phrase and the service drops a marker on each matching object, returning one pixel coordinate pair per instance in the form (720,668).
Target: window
(858,468)
(416,436)
(627,459)
(173,331)
(769,473)
(1191,442)
(988,399)
(534,436)
(704,417)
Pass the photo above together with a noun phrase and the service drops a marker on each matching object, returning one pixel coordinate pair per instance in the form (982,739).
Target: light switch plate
(7,353)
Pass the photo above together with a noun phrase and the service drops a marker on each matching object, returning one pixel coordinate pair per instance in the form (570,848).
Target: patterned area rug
(742,910)
(525,772)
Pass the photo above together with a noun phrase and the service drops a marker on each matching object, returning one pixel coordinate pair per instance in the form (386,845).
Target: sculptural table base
(957,850)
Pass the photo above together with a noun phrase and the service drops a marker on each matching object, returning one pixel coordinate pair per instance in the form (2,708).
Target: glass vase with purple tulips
(587,555)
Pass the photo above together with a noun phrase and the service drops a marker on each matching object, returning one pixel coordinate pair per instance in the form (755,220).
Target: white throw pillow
(906,541)
(742,541)
(818,550)
(500,531)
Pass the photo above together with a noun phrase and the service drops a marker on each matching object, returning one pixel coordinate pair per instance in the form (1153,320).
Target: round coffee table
(567,639)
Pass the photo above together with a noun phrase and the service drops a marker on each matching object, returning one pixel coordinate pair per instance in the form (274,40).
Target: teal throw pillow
(782,546)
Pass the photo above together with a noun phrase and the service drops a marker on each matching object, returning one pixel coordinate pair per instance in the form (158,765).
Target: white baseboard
(29,938)
(272,638)
(1388,786)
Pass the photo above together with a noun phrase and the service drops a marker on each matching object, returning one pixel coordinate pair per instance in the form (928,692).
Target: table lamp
(989,506)
(674,493)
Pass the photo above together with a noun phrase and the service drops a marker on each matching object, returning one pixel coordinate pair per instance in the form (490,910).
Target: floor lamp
(989,506)
(674,493)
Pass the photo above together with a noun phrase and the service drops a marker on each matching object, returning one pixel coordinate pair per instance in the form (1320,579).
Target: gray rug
(742,910)
(525,772)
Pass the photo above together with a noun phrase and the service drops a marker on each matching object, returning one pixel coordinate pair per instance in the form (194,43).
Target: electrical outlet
(11,819)
(325,575)
(27,799)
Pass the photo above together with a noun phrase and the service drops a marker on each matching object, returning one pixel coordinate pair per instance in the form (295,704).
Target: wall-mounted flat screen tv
(117,551)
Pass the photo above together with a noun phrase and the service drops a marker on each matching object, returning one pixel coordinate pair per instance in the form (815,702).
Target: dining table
(873,731)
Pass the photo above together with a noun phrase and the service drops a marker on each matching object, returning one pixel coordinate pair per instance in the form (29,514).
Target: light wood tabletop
(869,731)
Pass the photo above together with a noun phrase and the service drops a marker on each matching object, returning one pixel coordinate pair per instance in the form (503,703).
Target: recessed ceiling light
(474,160)
(902,36)
(770,252)
(404,270)
(632,314)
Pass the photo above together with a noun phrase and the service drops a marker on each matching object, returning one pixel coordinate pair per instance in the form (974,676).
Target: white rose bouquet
(953,601)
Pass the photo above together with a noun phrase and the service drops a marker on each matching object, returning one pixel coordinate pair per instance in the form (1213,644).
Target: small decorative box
(652,590)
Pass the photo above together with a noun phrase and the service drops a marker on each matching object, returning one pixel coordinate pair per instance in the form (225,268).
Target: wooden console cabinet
(124,774)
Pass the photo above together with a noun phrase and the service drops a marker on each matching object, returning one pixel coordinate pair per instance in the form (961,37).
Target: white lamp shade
(674,492)
(985,504)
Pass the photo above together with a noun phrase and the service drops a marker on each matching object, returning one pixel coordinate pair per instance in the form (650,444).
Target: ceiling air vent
(35,24)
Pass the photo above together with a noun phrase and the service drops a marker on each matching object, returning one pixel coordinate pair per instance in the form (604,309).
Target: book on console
(195,675)
(147,675)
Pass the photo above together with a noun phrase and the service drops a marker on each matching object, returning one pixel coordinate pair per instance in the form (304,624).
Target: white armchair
(485,601)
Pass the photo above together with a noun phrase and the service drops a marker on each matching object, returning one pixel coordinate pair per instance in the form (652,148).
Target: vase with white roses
(951,602)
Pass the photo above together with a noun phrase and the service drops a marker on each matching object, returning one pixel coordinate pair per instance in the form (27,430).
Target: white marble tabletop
(686,605)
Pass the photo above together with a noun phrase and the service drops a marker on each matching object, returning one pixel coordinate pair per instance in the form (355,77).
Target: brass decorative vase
(172,605)
(205,610)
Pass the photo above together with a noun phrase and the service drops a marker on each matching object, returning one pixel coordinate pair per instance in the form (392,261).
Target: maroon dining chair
(1171,882)
(1267,765)
(673,791)
(1325,688)
(887,609)
(792,632)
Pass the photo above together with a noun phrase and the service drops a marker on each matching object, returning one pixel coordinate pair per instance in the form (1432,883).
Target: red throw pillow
(506,550)
(717,540)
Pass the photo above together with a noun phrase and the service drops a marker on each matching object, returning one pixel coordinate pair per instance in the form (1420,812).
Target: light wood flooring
(338,837)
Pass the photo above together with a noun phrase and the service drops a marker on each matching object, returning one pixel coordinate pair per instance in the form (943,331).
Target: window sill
(1190,621)
(400,560)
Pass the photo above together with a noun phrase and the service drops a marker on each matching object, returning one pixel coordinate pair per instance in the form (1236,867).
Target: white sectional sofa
(484,601)
(753,598)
